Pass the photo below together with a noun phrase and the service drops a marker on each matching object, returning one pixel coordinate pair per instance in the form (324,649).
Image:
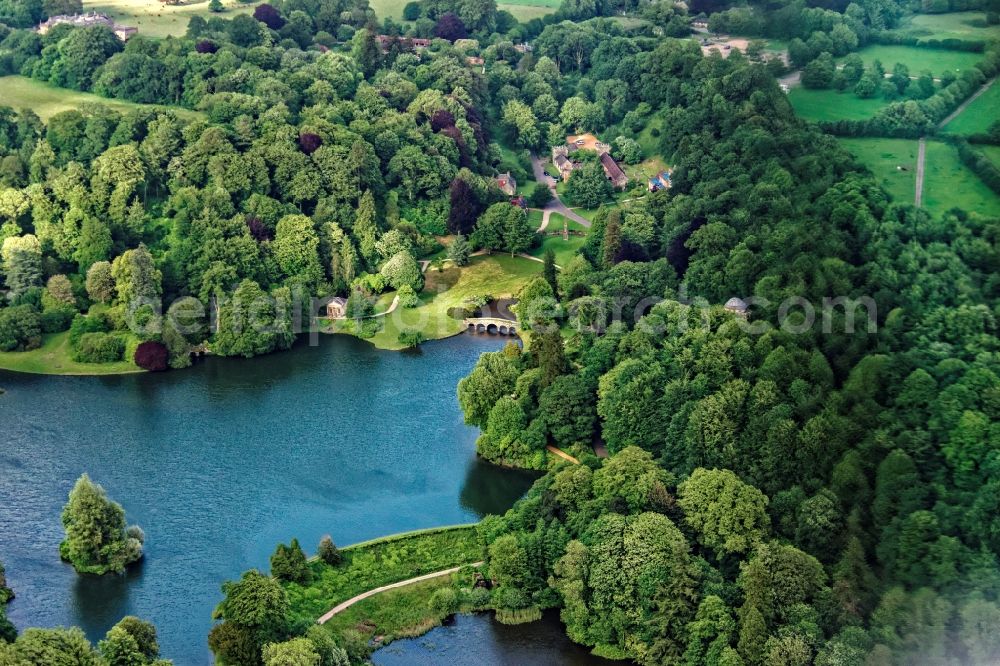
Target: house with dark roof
(613,171)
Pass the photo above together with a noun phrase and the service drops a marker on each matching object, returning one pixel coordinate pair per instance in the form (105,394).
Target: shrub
(152,356)
(479,597)
(410,338)
(328,551)
(444,601)
(408,297)
(411,11)
(541,195)
(288,563)
(99,348)
(269,16)
(83,324)
(20,328)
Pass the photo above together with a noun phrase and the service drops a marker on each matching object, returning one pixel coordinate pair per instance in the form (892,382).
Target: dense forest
(817,484)
(797,495)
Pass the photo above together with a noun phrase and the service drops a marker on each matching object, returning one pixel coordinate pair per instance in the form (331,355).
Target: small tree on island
(97,540)
(288,563)
(328,551)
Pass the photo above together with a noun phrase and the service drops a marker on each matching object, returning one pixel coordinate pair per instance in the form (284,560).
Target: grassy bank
(20,92)
(381,562)
(54,358)
(497,275)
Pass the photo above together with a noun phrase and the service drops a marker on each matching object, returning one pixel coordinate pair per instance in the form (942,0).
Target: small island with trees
(97,539)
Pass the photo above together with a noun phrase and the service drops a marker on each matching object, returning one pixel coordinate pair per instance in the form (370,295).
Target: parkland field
(829,104)
(20,92)
(893,162)
(968,26)
(155,19)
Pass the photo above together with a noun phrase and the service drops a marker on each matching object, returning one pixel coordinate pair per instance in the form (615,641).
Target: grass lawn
(948,183)
(645,170)
(525,13)
(21,92)
(380,562)
(650,144)
(819,105)
(53,358)
(956,25)
(882,157)
(992,152)
(919,59)
(564,249)
(155,19)
(535,218)
(498,275)
(978,116)
(393,614)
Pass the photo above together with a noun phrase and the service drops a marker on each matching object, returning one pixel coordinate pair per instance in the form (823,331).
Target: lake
(220,462)
(475,640)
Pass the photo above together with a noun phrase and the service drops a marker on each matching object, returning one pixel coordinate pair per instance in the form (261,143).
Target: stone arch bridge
(492,325)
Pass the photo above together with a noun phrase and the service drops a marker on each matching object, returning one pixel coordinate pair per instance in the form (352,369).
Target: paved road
(403,583)
(921,151)
(556,205)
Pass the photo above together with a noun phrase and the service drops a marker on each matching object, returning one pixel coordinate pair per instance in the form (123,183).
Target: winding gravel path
(339,608)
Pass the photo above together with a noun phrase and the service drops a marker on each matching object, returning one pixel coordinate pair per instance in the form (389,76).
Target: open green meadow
(46,100)
(54,358)
(525,10)
(948,183)
(829,104)
(884,157)
(155,19)
(956,25)
(979,115)
(937,61)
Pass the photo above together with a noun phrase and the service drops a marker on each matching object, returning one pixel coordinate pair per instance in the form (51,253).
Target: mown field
(53,358)
(937,61)
(21,92)
(154,19)
(563,249)
(979,115)
(829,104)
(956,25)
(381,562)
(883,157)
(948,183)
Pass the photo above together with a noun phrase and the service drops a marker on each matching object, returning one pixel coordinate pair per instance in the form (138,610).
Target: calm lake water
(475,640)
(220,462)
